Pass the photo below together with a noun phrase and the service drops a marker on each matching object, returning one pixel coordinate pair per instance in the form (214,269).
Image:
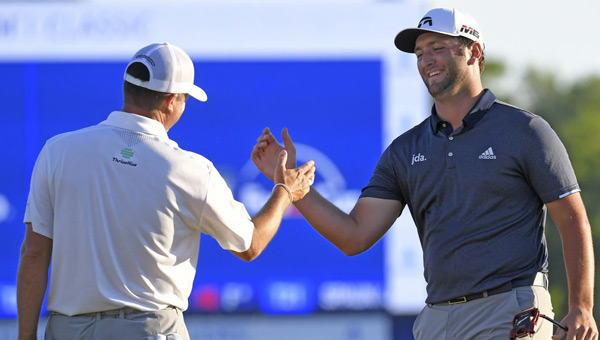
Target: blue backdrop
(333,111)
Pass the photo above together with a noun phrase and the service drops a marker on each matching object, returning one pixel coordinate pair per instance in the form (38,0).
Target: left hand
(265,153)
(581,325)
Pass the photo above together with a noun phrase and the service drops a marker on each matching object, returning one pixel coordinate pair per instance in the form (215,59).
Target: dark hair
(141,96)
(466,42)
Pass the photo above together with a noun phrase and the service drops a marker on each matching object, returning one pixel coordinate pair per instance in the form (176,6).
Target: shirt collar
(131,121)
(477,112)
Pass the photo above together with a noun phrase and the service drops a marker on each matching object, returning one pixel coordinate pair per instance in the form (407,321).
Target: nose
(426,59)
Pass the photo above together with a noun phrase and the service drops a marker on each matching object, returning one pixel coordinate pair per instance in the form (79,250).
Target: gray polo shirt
(477,194)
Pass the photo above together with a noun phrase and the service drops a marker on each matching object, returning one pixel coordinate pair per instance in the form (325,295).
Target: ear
(476,53)
(170,102)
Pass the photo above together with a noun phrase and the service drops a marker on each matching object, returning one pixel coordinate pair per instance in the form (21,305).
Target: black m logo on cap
(425,20)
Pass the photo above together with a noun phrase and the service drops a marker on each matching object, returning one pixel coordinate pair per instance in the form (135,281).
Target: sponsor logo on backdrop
(340,295)
(63,24)
(4,208)
(254,189)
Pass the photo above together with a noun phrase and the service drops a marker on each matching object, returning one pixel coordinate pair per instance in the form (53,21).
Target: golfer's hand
(266,152)
(581,325)
(298,180)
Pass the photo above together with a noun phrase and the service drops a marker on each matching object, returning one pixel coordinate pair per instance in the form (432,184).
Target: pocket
(525,297)
(430,324)
(417,321)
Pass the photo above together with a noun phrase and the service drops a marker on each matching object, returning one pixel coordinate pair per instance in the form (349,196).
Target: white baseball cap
(171,70)
(446,21)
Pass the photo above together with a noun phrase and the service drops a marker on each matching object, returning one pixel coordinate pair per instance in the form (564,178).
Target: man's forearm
(32,279)
(355,232)
(266,223)
(328,220)
(571,220)
(575,232)
(579,262)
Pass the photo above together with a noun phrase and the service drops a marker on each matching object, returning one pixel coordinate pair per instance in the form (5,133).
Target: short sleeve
(224,218)
(384,181)
(547,164)
(39,210)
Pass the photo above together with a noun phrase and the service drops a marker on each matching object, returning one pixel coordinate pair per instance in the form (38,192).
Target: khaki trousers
(488,318)
(118,324)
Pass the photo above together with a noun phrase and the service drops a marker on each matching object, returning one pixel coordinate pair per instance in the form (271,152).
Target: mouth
(433,74)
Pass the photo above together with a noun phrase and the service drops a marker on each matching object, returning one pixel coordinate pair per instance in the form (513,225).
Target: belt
(539,279)
(119,311)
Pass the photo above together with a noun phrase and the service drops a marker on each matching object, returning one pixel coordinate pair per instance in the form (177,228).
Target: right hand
(298,180)
(581,325)
(266,152)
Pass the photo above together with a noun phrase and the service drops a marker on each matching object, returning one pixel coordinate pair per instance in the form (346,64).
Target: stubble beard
(448,86)
(442,87)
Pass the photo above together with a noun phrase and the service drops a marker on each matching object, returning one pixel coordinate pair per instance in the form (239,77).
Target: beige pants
(160,325)
(488,318)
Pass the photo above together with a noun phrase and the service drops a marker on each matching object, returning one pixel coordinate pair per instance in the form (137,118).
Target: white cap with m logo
(448,21)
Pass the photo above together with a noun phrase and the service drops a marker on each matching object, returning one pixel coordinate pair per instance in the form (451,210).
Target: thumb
(287,140)
(282,159)
(560,333)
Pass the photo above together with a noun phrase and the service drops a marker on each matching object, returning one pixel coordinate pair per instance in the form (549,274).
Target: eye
(439,48)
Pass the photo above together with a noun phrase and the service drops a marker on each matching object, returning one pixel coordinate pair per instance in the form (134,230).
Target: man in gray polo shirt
(478,176)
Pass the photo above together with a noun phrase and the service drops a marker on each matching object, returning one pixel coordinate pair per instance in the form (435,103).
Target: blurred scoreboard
(327,71)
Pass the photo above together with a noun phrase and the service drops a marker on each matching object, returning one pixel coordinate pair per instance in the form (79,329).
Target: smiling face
(443,64)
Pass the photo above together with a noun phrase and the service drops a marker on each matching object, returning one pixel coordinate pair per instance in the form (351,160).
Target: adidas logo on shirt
(488,154)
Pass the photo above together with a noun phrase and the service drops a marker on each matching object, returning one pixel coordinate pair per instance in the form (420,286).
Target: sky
(557,36)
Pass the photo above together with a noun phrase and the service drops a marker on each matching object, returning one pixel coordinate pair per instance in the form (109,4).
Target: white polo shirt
(125,207)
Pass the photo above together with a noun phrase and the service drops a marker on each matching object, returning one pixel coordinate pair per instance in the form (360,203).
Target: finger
(256,152)
(259,148)
(306,166)
(266,136)
(269,133)
(287,139)
(265,132)
(264,139)
(311,171)
(560,333)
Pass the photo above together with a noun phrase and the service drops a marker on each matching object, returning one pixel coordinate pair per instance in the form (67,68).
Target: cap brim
(197,93)
(405,40)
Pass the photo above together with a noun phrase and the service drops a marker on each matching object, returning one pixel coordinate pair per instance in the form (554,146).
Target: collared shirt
(125,207)
(475,114)
(477,194)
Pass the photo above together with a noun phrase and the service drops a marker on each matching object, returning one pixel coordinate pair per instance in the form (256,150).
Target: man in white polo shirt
(119,209)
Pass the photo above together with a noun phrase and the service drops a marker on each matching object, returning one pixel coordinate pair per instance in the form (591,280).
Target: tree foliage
(573,110)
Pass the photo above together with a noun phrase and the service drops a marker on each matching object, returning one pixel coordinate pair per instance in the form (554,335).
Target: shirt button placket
(450,163)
